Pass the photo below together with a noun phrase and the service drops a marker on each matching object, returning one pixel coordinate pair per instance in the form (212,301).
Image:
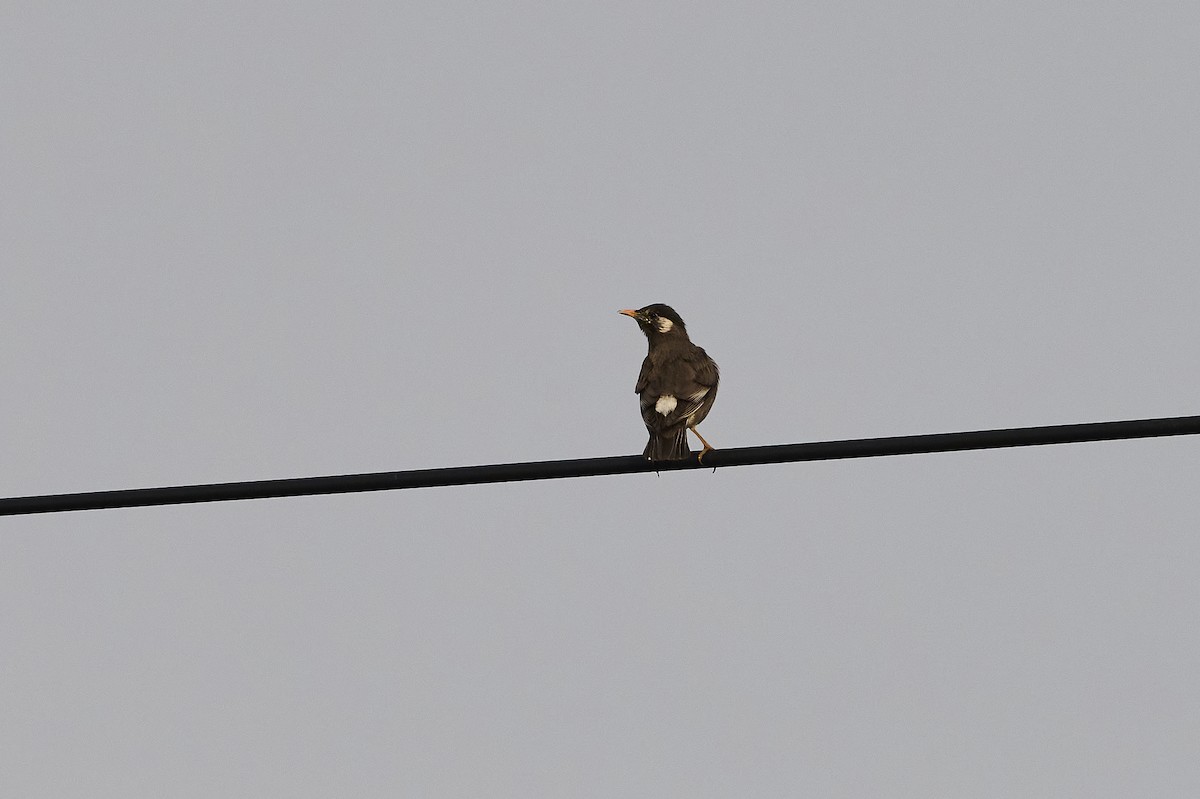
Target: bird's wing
(704,368)
(700,389)
(643,377)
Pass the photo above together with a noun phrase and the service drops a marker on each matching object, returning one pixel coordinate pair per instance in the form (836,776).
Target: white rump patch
(664,324)
(666,403)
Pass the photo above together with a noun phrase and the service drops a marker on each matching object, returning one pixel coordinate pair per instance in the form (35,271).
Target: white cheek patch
(664,324)
(666,403)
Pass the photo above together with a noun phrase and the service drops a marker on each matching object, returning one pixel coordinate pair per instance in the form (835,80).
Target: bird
(677,385)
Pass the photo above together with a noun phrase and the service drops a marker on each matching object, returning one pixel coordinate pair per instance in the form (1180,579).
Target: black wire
(590,467)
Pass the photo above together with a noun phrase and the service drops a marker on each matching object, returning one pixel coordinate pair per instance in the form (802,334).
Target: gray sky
(248,241)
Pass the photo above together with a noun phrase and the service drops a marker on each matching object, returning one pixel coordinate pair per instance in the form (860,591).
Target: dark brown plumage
(677,384)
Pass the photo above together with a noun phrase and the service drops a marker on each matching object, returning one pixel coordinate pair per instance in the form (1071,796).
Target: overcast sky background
(250,241)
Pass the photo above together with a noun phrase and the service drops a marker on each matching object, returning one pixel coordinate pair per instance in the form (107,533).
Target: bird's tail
(669,445)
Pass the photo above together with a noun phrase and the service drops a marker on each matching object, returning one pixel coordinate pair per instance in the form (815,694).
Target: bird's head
(657,320)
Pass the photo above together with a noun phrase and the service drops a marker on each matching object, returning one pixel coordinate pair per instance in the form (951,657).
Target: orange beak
(629,312)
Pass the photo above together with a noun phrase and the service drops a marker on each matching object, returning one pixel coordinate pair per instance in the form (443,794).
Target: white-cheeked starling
(677,384)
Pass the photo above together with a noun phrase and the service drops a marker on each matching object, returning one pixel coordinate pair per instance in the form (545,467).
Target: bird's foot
(707,447)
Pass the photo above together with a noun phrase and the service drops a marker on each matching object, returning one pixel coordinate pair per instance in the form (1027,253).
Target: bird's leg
(707,447)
